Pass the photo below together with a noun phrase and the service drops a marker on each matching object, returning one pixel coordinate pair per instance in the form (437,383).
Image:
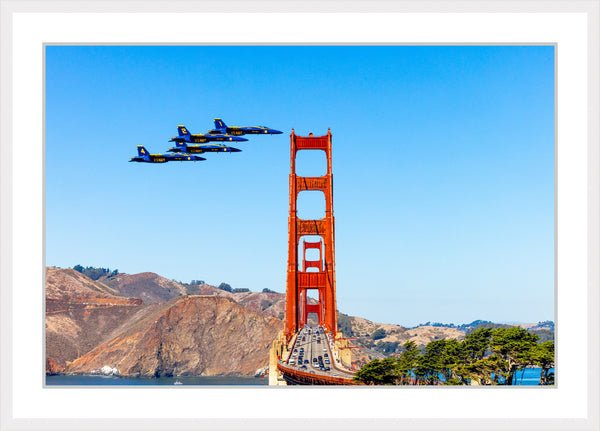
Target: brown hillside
(65,284)
(147,286)
(363,330)
(191,335)
(421,335)
(80,313)
(272,304)
(151,287)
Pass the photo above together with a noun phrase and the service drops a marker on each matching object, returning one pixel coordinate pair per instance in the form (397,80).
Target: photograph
(291,215)
(300,214)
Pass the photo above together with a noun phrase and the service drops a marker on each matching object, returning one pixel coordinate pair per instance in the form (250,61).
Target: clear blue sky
(443,164)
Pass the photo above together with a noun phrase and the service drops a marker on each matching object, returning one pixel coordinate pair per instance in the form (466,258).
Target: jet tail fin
(220,125)
(142,152)
(184,132)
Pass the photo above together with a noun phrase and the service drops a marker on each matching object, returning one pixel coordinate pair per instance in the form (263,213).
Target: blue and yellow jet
(221,127)
(182,147)
(146,157)
(187,137)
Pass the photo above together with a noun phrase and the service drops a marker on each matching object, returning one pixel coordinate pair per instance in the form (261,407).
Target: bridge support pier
(278,350)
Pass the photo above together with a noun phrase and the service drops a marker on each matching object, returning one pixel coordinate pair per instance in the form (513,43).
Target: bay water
(526,377)
(97,380)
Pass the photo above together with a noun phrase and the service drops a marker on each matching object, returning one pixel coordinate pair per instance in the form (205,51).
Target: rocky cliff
(80,314)
(144,324)
(190,335)
(272,304)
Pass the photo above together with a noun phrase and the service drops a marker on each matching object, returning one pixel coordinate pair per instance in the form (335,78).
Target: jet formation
(187,144)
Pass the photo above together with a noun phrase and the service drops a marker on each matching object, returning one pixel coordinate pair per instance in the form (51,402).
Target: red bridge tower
(299,280)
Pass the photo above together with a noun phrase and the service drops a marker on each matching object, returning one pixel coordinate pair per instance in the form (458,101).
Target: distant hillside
(380,340)
(546,327)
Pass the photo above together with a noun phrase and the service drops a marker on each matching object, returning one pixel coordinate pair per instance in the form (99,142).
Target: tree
(486,371)
(407,362)
(477,343)
(378,372)
(387,347)
(429,364)
(543,356)
(378,334)
(344,324)
(454,353)
(78,268)
(225,286)
(508,350)
(513,345)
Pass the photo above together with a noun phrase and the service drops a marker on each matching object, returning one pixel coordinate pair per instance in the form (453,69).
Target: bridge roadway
(313,356)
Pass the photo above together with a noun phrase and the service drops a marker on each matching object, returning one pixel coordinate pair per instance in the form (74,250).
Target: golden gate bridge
(304,354)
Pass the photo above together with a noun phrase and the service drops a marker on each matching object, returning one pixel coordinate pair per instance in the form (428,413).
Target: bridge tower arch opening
(311,245)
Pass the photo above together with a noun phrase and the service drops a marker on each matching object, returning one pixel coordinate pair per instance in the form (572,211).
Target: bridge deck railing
(315,376)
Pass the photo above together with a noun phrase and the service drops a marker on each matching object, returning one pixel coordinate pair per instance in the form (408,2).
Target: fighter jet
(221,127)
(186,136)
(182,147)
(145,156)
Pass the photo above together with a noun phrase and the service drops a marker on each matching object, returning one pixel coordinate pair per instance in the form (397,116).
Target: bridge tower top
(299,280)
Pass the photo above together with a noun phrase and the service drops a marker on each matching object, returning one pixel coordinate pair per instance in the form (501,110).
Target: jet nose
(275,132)
(234,150)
